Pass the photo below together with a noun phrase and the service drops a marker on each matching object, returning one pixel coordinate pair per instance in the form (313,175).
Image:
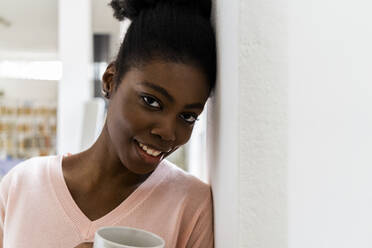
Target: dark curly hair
(171,30)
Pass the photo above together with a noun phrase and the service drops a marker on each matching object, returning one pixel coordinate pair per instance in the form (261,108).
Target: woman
(161,79)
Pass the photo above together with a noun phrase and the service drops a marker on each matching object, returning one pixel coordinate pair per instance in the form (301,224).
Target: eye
(190,118)
(151,101)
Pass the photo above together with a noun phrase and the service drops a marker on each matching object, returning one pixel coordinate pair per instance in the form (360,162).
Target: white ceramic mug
(126,237)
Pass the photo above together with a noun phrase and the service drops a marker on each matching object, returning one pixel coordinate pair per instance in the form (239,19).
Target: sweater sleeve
(4,188)
(202,233)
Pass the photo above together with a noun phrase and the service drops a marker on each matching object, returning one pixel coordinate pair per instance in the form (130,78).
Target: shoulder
(192,204)
(25,172)
(29,167)
(181,182)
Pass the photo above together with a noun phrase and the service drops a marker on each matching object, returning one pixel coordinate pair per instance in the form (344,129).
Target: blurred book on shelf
(27,129)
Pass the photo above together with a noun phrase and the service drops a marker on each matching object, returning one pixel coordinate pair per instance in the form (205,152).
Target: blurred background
(50,74)
(29,75)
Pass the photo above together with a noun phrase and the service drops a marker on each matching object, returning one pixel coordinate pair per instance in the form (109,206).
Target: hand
(85,245)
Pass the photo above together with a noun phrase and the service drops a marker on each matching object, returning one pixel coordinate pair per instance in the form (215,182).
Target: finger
(85,245)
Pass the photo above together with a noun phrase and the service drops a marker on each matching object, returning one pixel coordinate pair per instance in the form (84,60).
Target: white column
(222,127)
(247,125)
(76,87)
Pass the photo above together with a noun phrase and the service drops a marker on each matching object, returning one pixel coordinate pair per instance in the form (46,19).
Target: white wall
(247,125)
(290,126)
(263,123)
(330,124)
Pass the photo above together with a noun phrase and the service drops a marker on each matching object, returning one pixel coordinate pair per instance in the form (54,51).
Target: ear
(108,80)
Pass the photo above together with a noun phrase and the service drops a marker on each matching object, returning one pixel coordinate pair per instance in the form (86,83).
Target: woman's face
(152,112)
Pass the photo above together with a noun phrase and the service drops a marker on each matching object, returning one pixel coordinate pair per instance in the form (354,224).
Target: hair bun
(131,8)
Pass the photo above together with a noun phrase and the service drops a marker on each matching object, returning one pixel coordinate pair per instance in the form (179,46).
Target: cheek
(136,120)
(183,135)
(126,121)
(118,125)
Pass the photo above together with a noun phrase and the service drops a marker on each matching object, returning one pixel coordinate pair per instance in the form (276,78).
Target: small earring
(105,93)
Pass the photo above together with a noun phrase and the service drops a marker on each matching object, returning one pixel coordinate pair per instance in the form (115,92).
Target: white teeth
(149,151)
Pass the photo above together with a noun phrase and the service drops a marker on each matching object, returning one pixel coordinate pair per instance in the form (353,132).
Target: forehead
(185,83)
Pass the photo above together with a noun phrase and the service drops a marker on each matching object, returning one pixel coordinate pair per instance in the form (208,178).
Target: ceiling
(33,25)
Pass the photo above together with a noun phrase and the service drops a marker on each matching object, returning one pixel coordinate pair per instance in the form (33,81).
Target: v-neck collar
(85,226)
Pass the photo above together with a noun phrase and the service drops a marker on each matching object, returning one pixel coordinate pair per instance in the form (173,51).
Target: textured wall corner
(247,125)
(263,124)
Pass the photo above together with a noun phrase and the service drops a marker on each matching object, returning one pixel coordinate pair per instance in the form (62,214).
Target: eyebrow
(165,93)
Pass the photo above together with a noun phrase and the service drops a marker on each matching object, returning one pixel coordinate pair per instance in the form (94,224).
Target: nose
(165,130)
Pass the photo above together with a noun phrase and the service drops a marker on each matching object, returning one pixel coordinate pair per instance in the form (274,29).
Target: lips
(144,150)
(163,150)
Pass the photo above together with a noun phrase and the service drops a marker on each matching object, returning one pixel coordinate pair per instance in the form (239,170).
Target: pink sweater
(38,211)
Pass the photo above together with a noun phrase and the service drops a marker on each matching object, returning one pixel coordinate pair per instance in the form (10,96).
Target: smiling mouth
(149,150)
